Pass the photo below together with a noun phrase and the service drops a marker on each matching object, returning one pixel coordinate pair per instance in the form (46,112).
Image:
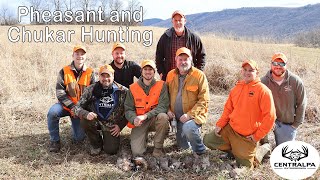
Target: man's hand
(250,137)
(217,131)
(170,114)
(115,131)
(184,118)
(91,116)
(139,120)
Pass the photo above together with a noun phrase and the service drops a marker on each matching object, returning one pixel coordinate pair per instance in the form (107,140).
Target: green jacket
(163,105)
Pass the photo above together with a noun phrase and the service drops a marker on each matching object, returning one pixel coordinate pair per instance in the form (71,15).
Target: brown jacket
(195,93)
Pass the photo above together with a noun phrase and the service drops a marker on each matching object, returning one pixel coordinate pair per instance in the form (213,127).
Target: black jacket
(164,51)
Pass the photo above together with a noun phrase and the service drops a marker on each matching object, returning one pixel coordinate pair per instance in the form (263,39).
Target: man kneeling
(248,116)
(102,106)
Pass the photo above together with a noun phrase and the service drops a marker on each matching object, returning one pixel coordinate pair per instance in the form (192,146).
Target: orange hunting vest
(145,103)
(75,88)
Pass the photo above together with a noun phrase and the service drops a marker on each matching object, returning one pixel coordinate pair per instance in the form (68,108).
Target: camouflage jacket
(86,104)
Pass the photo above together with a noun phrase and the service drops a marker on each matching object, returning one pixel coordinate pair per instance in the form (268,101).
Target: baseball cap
(280,56)
(148,63)
(118,45)
(77,47)
(106,69)
(183,50)
(177,12)
(252,63)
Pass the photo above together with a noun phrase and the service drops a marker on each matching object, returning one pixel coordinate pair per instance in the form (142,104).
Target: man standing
(248,116)
(174,38)
(289,98)
(102,106)
(125,70)
(189,98)
(146,105)
(71,82)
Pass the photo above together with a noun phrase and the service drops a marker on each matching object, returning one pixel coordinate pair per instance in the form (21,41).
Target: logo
(251,93)
(288,88)
(295,160)
(294,155)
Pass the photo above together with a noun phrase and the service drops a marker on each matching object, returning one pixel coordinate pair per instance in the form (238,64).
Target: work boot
(157,152)
(263,152)
(54,146)
(94,151)
(227,156)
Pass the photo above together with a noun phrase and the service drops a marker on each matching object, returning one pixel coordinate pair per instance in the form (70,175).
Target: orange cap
(183,50)
(177,12)
(106,69)
(280,56)
(148,63)
(252,63)
(77,47)
(118,45)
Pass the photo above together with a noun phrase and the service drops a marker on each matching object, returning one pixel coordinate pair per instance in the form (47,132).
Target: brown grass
(28,75)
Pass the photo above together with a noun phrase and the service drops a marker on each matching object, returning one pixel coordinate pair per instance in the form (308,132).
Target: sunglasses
(282,64)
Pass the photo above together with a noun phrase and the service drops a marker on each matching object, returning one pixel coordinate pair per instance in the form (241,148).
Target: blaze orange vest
(74,87)
(145,103)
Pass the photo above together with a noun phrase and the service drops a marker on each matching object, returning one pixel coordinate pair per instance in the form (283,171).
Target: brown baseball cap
(252,63)
(280,56)
(183,50)
(118,45)
(77,47)
(178,12)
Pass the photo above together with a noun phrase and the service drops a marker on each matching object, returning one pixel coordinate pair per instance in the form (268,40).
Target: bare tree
(133,5)
(7,16)
(37,4)
(69,4)
(116,5)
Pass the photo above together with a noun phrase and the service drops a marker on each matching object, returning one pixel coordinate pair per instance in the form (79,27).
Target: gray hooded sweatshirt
(290,98)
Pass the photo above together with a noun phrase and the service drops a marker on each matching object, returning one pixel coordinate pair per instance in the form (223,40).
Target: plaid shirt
(177,42)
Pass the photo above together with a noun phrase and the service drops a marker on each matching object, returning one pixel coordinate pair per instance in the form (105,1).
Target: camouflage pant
(110,144)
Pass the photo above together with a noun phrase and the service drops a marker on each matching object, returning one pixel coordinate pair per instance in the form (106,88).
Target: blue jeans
(188,134)
(55,113)
(284,133)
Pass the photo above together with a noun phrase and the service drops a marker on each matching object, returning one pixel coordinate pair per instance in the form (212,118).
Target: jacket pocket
(192,92)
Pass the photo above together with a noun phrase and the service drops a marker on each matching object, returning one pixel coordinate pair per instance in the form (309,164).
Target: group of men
(102,109)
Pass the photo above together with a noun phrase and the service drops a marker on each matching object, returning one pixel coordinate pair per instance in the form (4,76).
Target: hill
(273,22)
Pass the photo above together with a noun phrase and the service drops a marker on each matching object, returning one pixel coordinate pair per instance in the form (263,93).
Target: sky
(163,8)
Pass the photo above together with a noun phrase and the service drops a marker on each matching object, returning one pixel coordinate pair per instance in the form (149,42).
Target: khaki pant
(159,124)
(242,148)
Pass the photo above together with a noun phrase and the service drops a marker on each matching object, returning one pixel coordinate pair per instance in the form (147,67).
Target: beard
(184,68)
(278,73)
(147,77)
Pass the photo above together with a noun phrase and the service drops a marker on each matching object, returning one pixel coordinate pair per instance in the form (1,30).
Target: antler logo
(295,155)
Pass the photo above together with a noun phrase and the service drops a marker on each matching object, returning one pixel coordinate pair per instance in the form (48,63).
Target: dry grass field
(28,74)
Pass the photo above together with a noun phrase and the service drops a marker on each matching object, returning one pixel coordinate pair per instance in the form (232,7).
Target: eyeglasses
(282,64)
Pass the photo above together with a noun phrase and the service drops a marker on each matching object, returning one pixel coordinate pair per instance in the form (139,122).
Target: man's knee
(162,118)
(190,128)
(212,141)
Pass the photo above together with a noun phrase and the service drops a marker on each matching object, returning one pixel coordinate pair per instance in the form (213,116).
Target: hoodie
(290,98)
(249,109)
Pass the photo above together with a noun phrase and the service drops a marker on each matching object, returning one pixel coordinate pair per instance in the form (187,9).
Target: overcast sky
(164,8)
